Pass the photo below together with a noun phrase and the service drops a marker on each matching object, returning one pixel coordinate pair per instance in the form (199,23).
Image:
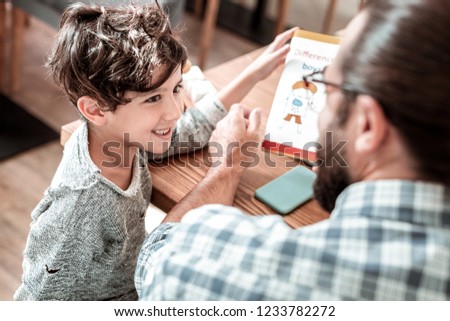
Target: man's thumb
(254,120)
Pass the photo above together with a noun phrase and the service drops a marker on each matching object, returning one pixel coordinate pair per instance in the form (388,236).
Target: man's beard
(332,178)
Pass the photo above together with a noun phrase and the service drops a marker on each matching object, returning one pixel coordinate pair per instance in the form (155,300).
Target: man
(388,235)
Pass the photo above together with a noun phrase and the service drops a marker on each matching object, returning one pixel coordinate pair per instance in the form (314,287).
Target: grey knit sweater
(86,232)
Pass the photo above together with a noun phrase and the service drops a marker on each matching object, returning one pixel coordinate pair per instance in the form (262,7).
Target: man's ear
(371,125)
(91,110)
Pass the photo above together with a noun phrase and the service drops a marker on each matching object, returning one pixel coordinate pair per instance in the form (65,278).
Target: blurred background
(213,31)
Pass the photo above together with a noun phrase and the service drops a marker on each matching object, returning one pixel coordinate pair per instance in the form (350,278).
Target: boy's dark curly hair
(102,52)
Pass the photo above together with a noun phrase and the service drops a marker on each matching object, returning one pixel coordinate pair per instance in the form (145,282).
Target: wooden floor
(24,178)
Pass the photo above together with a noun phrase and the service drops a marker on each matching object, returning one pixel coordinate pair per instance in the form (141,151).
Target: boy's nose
(174,109)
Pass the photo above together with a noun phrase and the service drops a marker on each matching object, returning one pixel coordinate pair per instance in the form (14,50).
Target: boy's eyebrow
(156,89)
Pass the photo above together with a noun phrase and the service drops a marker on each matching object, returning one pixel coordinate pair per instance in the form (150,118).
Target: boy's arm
(44,277)
(259,69)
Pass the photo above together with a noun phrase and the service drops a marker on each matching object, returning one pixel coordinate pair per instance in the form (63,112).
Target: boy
(121,67)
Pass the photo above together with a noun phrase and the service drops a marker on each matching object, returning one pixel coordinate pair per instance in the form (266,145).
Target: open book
(292,125)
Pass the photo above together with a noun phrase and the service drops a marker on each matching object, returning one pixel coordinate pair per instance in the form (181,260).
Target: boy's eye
(153,99)
(177,89)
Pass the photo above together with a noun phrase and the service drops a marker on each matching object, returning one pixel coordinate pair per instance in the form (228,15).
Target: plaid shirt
(385,240)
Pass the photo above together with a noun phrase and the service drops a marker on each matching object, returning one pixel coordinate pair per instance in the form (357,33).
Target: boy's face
(148,121)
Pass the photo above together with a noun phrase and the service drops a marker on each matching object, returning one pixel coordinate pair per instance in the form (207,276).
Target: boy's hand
(259,69)
(273,56)
(235,139)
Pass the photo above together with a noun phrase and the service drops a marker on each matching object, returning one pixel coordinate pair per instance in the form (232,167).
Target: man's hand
(230,146)
(235,139)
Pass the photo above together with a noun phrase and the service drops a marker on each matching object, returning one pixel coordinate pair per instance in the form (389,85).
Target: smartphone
(288,191)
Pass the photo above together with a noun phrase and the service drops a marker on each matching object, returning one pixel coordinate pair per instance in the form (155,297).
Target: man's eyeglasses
(318,77)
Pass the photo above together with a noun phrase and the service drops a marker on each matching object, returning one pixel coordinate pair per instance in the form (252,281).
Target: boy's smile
(163,132)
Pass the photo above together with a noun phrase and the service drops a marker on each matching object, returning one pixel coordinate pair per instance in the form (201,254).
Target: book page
(296,106)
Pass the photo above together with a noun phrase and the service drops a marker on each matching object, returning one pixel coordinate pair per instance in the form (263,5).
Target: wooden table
(175,177)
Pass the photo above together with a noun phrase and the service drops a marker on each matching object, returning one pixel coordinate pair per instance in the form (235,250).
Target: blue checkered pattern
(386,240)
